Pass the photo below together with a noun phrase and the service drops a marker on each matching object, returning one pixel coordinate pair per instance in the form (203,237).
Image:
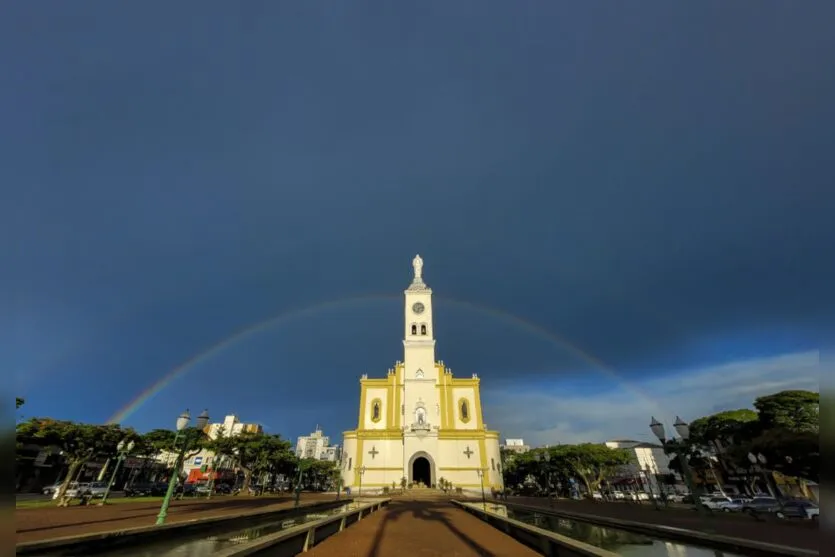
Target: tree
(77,441)
(593,462)
(254,453)
(725,427)
(790,410)
(18,402)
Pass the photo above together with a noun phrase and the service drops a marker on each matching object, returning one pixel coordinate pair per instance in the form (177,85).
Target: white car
(716,503)
(734,505)
(93,489)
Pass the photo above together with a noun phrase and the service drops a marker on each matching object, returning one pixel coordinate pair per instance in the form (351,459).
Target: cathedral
(419,422)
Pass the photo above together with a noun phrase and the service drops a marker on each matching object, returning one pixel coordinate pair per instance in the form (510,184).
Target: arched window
(423,329)
(414,329)
(493,463)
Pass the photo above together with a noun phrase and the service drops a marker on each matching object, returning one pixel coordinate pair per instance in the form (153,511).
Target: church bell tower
(418,339)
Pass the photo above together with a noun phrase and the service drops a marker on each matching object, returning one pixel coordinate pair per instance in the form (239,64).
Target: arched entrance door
(422,471)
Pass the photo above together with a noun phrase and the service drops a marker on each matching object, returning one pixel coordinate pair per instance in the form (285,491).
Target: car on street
(51,489)
(734,505)
(94,490)
(716,503)
(805,510)
(761,505)
(146,489)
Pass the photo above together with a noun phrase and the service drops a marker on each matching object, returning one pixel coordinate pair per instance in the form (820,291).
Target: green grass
(110,501)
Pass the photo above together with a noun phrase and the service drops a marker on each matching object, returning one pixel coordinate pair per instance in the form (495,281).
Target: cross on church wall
(373,452)
(468,452)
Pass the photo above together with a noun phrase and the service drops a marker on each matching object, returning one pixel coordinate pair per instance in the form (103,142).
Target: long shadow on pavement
(436,511)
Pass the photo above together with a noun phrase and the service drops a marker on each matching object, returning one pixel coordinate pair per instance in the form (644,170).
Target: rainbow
(557,340)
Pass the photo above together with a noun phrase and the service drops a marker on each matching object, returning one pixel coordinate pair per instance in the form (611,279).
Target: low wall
(546,542)
(107,541)
(299,539)
(714,541)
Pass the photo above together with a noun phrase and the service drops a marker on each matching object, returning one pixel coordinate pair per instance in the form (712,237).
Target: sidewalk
(52,522)
(800,534)
(424,527)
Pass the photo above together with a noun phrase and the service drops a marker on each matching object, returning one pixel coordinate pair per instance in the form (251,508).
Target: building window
(464,410)
(423,329)
(493,464)
(414,329)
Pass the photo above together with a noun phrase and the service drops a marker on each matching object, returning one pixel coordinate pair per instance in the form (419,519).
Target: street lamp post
(758,461)
(184,430)
(339,481)
(481,472)
(123,450)
(546,457)
(647,478)
(679,447)
(361,471)
(299,483)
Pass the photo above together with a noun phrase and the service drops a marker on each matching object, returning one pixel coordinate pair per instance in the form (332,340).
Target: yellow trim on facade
(474,382)
(390,401)
(361,420)
(450,420)
(467,434)
(374,382)
(459,468)
(482,449)
(479,418)
(358,463)
(379,434)
(389,469)
(380,414)
(398,381)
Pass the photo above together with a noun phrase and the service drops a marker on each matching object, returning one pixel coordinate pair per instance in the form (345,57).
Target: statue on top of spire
(417,263)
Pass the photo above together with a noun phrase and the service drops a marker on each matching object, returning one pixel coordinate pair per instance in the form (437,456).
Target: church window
(423,329)
(414,329)
(464,410)
(350,462)
(493,463)
(376,410)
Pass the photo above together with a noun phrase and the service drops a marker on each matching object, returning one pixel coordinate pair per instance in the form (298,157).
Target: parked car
(716,503)
(145,489)
(52,489)
(759,505)
(798,509)
(734,505)
(186,489)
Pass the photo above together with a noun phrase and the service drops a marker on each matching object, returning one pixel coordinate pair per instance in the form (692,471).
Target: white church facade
(419,422)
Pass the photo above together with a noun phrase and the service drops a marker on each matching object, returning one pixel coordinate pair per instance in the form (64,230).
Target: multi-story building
(515,445)
(204,463)
(649,465)
(317,445)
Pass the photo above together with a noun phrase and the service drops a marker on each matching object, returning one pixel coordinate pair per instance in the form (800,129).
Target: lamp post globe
(682,428)
(657,429)
(183,420)
(203,419)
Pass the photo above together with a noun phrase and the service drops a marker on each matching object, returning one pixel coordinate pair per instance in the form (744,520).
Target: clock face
(418,308)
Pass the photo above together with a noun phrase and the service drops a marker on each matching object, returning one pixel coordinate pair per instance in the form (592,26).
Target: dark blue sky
(652,185)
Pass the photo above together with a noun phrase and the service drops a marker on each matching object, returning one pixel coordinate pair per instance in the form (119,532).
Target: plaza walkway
(52,522)
(420,527)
